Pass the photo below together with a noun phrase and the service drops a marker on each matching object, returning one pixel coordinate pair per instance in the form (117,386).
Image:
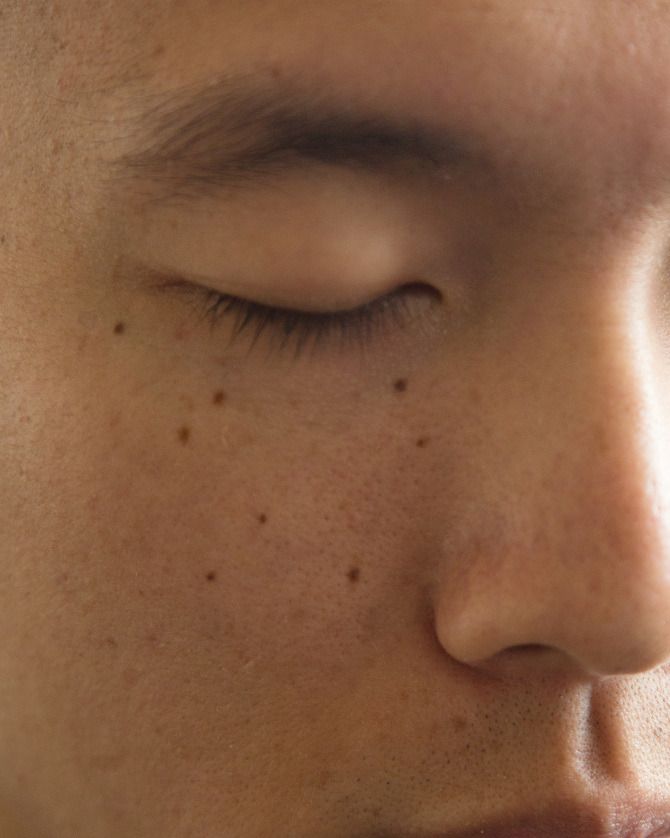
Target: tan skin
(411,583)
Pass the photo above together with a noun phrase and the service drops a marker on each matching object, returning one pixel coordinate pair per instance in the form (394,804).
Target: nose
(569,553)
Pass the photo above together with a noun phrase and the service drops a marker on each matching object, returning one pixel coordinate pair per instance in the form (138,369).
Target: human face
(405,574)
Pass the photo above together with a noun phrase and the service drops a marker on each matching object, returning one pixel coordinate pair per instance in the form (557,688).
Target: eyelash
(359,325)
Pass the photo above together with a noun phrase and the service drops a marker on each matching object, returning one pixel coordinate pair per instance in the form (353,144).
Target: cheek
(195,536)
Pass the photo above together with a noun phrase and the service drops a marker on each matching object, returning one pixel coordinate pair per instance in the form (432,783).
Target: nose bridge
(593,388)
(586,567)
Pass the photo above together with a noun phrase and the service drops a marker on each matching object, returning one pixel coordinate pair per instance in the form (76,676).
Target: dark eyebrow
(234,133)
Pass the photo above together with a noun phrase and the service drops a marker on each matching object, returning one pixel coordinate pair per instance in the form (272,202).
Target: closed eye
(359,325)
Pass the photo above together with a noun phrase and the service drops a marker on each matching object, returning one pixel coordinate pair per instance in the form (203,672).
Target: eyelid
(359,325)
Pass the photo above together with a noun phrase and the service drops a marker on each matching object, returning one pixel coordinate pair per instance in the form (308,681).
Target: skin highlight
(455,604)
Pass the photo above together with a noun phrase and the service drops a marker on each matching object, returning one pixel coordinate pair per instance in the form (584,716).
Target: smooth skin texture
(409,582)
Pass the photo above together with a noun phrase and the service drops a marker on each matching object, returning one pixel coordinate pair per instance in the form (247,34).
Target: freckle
(3,239)
(110,641)
(459,723)
(184,434)
(423,442)
(152,638)
(120,328)
(263,519)
(140,592)
(211,576)
(400,385)
(323,777)
(354,574)
(219,397)
(160,49)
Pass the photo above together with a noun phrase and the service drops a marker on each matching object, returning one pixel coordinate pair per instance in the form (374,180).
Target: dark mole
(120,328)
(184,434)
(354,574)
(400,385)
(459,723)
(211,576)
(219,397)
(421,443)
(263,518)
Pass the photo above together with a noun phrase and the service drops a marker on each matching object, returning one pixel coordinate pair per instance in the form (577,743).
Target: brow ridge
(236,133)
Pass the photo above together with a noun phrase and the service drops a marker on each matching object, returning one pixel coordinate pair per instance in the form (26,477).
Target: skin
(249,595)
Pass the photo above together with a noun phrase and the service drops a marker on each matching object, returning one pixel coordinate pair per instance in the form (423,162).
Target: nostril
(529,652)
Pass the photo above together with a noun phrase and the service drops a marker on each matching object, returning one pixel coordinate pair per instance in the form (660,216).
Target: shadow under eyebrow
(237,133)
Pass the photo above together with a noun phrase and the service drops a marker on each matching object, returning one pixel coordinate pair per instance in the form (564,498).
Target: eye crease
(358,325)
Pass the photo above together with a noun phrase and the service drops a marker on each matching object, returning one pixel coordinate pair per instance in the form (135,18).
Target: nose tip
(590,601)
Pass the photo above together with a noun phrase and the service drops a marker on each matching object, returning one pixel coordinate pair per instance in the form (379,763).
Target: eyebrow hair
(236,133)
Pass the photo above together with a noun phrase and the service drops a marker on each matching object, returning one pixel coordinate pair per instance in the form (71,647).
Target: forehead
(578,90)
(427,40)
